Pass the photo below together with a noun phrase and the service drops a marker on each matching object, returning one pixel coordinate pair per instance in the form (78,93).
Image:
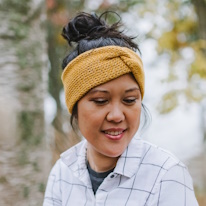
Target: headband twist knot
(98,66)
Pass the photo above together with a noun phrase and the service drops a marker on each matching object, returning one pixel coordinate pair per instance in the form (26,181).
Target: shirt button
(112,176)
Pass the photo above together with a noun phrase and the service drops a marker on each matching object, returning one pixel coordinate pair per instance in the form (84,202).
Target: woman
(103,79)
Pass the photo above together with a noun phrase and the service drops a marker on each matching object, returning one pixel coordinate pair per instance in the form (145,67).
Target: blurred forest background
(34,123)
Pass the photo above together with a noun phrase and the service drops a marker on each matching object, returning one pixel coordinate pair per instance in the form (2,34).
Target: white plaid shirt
(145,175)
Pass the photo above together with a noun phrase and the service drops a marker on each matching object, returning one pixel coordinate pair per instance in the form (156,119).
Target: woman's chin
(113,153)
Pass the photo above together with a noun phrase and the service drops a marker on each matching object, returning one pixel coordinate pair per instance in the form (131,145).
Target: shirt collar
(129,161)
(127,164)
(75,159)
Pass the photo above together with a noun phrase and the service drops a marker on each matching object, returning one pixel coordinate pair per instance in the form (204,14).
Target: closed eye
(100,101)
(130,101)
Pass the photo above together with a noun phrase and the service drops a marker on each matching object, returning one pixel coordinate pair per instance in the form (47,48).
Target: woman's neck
(99,162)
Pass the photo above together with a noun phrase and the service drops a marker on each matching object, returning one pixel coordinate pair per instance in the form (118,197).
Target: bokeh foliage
(185,34)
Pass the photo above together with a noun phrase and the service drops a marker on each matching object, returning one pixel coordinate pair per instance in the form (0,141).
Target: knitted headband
(98,66)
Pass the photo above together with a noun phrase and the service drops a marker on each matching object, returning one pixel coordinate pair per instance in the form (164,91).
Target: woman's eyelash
(104,101)
(129,101)
(100,101)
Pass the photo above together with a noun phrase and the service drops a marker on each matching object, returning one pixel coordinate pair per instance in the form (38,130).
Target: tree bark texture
(23,85)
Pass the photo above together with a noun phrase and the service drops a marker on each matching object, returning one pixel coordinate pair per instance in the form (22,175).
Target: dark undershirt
(97,177)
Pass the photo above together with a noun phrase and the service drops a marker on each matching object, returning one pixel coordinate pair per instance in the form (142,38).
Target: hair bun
(88,26)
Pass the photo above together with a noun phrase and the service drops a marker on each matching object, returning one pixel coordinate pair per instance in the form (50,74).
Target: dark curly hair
(89,31)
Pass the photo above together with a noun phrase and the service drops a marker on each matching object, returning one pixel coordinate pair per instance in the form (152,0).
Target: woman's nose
(115,114)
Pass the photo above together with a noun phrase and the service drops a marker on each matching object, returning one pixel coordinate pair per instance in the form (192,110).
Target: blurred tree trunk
(198,163)
(58,15)
(200,6)
(23,80)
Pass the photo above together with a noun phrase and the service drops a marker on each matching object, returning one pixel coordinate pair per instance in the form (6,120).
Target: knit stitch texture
(98,66)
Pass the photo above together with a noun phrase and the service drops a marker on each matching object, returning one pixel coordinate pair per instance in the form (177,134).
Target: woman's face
(109,116)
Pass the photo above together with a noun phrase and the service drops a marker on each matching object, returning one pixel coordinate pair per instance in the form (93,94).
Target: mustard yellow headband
(98,66)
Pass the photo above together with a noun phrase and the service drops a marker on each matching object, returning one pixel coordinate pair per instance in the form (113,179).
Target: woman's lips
(114,133)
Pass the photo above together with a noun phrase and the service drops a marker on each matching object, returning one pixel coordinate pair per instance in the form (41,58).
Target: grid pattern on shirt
(145,175)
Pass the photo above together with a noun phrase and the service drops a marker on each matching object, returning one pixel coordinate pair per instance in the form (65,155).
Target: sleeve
(176,188)
(52,195)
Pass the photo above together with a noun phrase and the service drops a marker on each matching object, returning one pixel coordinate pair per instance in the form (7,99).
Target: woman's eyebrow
(97,90)
(132,89)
